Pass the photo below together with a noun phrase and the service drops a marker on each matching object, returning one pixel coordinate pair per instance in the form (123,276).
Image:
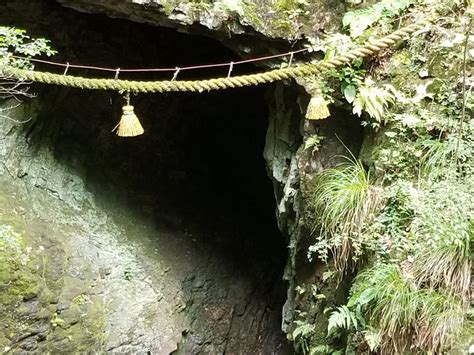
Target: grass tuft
(344,199)
(446,233)
(405,314)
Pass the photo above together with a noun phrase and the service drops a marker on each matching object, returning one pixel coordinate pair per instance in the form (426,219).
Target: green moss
(14,274)
(80,299)
(17,283)
(95,321)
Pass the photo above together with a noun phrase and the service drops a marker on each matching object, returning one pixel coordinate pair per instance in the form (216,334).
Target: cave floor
(108,278)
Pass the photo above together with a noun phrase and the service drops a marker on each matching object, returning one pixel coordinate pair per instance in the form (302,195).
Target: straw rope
(368,49)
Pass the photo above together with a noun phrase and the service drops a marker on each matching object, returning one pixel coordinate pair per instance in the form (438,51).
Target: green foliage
(291,13)
(301,333)
(341,195)
(313,142)
(350,78)
(359,20)
(375,101)
(302,329)
(342,318)
(415,296)
(127,274)
(81,299)
(444,227)
(412,293)
(56,321)
(373,338)
(344,199)
(390,229)
(421,141)
(404,314)
(16,41)
(435,157)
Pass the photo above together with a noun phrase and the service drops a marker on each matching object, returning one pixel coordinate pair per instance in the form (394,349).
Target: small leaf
(350,93)
(366,296)
(357,107)
(348,18)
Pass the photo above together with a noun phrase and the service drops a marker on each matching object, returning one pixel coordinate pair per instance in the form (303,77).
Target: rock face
(292,167)
(249,28)
(284,19)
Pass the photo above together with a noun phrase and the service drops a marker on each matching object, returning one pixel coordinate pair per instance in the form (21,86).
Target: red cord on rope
(194,67)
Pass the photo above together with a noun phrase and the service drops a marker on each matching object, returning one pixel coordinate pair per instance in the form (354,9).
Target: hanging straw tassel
(317,108)
(129,125)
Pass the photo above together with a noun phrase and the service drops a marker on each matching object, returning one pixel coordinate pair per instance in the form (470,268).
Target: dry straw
(129,125)
(317,108)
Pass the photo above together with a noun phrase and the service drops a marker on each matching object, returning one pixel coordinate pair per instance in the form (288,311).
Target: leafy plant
(374,100)
(359,20)
(444,228)
(373,338)
(13,42)
(351,77)
(415,296)
(313,142)
(56,321)
(81,299)
(301,334)
(435,158)
(127,275)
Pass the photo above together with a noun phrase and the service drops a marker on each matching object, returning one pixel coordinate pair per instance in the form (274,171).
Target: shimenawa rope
(128,86)
(212,84)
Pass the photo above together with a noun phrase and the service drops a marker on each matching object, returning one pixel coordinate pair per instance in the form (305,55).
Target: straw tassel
(317,108)
(129,125)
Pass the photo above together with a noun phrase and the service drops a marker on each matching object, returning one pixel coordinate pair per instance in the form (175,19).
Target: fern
(373,338)
(374,100)
(342,318)
(301,335)
(303,330)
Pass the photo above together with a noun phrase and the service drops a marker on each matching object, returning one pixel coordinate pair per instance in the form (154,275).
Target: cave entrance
(198,171)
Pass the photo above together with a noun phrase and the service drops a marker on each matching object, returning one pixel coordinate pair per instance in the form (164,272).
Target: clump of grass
(441,320)
(344,199)
(392,306)
(433,158)
(446,233)
(436,158)
(406,315)
(447,266)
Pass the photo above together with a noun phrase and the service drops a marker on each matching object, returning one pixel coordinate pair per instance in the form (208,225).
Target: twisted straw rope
(213,84)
